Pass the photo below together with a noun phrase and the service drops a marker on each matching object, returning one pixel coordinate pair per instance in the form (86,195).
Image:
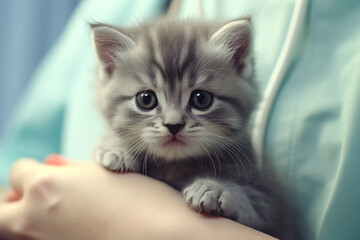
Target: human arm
(80,200)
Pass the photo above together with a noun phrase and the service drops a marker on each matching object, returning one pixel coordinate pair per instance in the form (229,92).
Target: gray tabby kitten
(177,96)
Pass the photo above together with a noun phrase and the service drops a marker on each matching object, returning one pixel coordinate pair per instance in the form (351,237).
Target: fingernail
(55,159)
(13,196)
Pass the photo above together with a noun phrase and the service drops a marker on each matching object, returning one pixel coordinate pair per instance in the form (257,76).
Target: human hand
(68,201)
(79,200)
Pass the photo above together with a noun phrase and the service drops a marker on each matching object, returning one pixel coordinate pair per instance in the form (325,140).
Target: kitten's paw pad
(210,196)
(115,160)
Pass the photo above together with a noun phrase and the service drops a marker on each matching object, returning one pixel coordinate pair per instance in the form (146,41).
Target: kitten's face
(173,92)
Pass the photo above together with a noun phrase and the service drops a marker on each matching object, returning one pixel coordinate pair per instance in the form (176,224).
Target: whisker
(235,148)
(215,152)
(146,158)
(212,160)
(234,156)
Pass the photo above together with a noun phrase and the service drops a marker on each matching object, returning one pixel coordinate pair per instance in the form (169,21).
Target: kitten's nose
(174,128)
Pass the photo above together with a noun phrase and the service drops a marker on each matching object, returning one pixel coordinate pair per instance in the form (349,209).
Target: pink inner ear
(239,67)
(109,43)
(109,69)
(236,36)
(106,53)
(241,52)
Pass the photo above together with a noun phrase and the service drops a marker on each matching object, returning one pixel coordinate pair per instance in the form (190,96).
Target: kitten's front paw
(213,197)
(116,160)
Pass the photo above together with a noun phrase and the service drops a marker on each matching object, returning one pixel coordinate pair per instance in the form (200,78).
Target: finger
(13,196)
(56,160)
(22,171)
(9,220)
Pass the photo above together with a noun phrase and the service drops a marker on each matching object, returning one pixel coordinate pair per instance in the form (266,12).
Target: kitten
(177,96)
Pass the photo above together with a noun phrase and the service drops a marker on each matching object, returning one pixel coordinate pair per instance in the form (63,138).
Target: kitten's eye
(201,99)
(146,100)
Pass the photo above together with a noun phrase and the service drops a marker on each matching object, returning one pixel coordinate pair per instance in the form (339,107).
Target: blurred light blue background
(28,30)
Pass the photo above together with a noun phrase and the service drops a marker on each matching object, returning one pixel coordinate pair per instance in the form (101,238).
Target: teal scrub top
(312,131)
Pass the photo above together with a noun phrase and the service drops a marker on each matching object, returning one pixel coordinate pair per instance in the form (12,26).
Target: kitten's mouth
(173,141)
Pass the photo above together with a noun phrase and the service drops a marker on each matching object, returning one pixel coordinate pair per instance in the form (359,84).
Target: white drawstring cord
(278,74)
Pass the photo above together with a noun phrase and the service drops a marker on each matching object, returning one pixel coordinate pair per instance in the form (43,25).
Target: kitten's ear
(109,43)
(236,37)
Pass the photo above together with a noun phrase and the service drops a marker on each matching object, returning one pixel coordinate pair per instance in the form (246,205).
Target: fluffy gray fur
(208,156)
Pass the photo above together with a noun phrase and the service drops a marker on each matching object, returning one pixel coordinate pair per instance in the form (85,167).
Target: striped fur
(173,58)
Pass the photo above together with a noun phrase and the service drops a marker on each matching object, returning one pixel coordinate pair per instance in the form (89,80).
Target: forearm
(219,228)
(196,226)
(168,217)
(191,225)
